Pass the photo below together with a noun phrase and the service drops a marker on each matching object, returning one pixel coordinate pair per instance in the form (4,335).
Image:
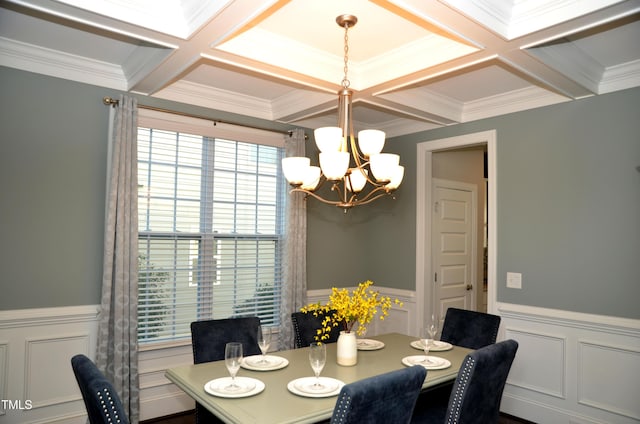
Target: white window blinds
(211,225)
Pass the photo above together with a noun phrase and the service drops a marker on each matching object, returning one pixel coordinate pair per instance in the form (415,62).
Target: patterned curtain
(117,350)
(295,271)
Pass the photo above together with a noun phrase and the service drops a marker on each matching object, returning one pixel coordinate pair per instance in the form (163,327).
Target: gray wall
(568,202)
(52,172)
(568,196)
(53,147)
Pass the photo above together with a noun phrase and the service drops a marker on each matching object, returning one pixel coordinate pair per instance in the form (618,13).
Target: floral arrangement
(347,309)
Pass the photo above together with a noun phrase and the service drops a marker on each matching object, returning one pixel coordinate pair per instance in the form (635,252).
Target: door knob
(469,287)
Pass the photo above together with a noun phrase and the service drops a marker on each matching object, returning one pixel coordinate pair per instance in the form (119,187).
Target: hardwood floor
(189,418)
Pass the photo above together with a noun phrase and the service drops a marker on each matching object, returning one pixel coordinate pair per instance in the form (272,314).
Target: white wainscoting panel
(35,363)
(159,396)
(48,380)
(603,369)
(541,362)
(571,367)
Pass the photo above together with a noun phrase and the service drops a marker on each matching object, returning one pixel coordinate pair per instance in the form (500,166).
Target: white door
(453,245)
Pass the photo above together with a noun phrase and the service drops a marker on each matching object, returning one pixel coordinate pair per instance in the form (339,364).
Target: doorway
(425,274)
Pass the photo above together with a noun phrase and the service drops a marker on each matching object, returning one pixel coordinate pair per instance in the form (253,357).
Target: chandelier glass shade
(359,173)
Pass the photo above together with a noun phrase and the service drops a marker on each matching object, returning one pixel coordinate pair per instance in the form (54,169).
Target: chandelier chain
(345,81)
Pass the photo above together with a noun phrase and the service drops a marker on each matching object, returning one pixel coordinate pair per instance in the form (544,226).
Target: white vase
(347,351)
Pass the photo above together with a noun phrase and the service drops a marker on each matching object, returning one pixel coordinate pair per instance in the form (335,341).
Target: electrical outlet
(514,280)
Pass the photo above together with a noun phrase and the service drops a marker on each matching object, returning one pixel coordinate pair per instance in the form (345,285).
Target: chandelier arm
(364,202)
(315,196)
(353,200)
(367,198)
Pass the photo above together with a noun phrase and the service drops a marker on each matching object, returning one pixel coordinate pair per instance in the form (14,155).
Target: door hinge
(436,277)
(436,206)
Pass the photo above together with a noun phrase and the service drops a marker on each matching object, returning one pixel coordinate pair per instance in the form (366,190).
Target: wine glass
(317,359)
(361,340)
(426,345)
(233,359)
(264,341)
(432,328)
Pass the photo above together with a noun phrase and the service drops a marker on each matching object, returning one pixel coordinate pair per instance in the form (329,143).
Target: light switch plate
(514,280)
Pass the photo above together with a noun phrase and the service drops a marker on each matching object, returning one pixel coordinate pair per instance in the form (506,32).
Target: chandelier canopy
(359,172)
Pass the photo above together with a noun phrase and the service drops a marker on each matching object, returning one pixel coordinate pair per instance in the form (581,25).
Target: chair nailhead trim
(342,408)
(108,406)
(463,382)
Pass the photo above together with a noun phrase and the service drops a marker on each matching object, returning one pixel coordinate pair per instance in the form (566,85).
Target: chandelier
(358,173)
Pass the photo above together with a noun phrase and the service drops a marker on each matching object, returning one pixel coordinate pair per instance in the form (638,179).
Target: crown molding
(620,77)
(295,101)
(516,18)
(514,101)
(424,99)
(28,57)
(218,99)
(398,127)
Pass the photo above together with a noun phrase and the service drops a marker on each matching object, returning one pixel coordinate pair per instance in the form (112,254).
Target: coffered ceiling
(413,64)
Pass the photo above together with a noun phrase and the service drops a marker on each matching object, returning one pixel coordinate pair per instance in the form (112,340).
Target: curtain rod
(109,101)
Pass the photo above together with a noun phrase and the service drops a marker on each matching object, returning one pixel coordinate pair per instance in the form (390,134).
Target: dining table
(277,402)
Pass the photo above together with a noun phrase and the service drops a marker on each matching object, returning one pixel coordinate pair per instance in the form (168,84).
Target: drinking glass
(233,359)
(426,345)
(317,359)
(264,341)
(432,328)
(362,342)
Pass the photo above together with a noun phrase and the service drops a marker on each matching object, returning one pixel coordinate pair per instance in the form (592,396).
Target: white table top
(279,406)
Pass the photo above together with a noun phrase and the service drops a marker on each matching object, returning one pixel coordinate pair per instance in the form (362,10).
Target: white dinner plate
(433,362)
(255,363)
(437,346)
(369,344)
(305,387)
(249,387)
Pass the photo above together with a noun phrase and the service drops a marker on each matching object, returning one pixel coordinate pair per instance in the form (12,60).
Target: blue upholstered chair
(100,398)
(477,391)
(209,338)
(386,398)
(469,329)
(305,327)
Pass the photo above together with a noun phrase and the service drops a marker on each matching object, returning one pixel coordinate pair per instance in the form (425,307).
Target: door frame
(424,198)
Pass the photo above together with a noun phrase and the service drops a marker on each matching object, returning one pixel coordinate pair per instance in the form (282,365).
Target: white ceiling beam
(230,20)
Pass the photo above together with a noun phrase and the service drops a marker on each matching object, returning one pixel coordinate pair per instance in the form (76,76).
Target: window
(211,220)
